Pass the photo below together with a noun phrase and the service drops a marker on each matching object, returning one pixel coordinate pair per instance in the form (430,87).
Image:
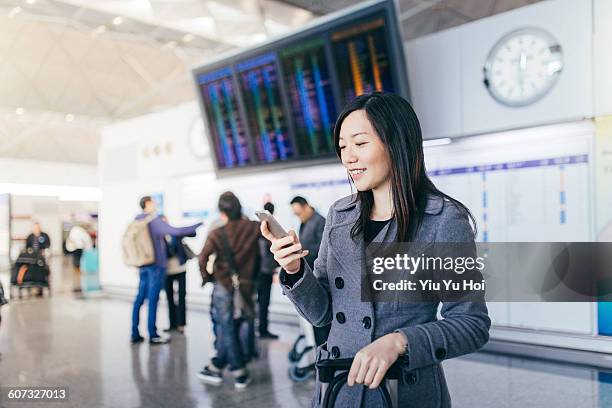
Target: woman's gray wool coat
(335,286)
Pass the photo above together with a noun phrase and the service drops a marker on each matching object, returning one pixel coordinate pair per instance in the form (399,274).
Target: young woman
(378,139)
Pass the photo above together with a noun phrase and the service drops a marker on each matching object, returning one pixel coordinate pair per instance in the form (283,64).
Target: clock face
(197,138)
(523,66)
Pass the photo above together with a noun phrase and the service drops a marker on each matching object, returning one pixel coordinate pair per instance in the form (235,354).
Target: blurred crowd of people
(237,261)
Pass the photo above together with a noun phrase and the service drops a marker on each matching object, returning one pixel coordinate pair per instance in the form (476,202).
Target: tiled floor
(83,344)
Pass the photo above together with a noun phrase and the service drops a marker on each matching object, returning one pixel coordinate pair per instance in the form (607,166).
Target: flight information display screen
(362,58)
(278,103)
(260,88)
(225,123)
(311,97)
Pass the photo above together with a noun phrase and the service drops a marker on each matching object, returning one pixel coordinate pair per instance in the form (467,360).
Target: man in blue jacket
(152,277)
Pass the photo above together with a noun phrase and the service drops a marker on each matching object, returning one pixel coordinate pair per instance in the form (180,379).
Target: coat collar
(433,207)
(349,251)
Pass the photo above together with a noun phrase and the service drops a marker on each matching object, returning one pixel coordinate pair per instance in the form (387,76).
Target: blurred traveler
(152,277)
(78,241)
(3,301)
(178,255)
(264,281)
(311,233)
(235,245)
(38,240)
(311,229)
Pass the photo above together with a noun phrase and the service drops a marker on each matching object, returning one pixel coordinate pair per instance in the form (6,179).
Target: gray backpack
(137,243)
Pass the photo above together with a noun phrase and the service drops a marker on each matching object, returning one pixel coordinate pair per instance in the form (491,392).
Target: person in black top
(372,228)
(38,240)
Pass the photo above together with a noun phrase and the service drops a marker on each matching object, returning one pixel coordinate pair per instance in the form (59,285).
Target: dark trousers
(176,312)
(227,341)
(264,285)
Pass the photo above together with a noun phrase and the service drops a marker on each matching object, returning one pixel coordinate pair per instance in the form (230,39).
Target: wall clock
(523,66)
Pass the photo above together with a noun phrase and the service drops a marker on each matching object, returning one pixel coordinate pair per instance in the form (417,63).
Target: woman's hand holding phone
(287,250)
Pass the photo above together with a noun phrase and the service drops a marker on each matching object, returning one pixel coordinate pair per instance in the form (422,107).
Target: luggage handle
(331,384)
(327,368)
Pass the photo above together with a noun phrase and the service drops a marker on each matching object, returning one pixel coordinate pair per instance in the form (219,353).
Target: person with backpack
(236,247)
(152,263)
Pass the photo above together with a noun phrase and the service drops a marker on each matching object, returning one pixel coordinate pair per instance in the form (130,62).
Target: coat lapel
(347,251)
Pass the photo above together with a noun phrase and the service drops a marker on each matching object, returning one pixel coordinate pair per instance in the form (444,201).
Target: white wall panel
(569,21)
(602,56)
(446,71)
(434,71)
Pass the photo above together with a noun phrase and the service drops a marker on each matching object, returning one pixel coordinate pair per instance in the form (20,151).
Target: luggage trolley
(303,354)
(30,271)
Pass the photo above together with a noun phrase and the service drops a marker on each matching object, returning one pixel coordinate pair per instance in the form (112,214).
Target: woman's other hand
(372,362)
(287,250)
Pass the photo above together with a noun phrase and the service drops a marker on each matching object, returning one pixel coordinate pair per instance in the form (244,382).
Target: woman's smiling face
(362,152)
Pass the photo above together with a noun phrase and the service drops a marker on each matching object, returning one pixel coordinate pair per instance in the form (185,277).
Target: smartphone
(273,225)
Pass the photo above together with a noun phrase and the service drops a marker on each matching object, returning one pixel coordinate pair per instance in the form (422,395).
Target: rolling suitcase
(90,280)
(332,383)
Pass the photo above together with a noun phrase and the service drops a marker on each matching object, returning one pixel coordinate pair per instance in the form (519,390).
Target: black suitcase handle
(327,374)
(327,368)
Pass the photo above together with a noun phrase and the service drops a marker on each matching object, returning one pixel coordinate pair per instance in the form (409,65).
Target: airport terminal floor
(84,343)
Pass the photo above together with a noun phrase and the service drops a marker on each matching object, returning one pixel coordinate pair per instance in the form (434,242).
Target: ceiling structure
(69,67)
(422,17)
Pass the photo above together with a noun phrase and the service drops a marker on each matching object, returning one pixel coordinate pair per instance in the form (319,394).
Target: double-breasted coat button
(340,317)
(366,323)
(410,378)
(335,352)
(339,282)
(440,353)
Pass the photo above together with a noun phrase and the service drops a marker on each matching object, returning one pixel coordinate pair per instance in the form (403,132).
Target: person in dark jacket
(38,240)
(311,233)
(311,227)
(152,277)
(264,282)
(235,245)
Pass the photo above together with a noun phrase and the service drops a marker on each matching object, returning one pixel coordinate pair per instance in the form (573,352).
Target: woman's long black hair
(398,127)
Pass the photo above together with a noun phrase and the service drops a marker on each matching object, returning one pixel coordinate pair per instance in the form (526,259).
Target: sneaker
(136,340)
(169,329)
(268,335)
(159,340)
(210,376)
(240,383)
